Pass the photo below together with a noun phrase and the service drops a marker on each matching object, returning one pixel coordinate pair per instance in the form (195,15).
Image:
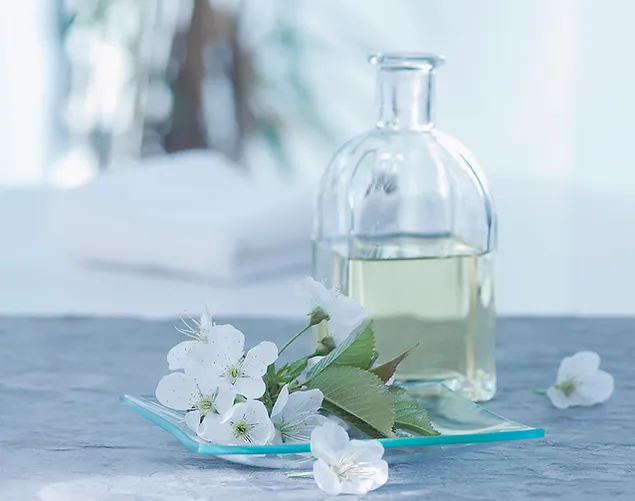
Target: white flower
(580,382)
(346,466)
(222,359)
(345,313)
(246,423)
(295,415)
(199,331)
(204,403)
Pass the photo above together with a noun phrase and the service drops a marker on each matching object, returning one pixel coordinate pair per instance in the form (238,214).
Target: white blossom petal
(296,415)
(326,479)
(367,450)
(224,401)
(365,476)
(259,358)
(201,359)
(218,432)
(246,423)
(176,356)
(193,420)
(281,401)
(206,323)
(597,388)
(580,364)
(345,313)
(558,399)
(210,429)
(206,381)
(262,432)
(316,291)
(346,317)
(303,403)
(207,362)
(176,391)
(227,342)
(249,387)
(328,442)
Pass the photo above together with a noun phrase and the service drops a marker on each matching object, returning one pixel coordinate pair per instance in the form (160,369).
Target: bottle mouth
(407,60)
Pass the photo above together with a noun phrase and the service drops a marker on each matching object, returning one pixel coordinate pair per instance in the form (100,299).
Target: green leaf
(356,351)
(289,372)
(386,371)
(358,397)
(409,415)
(271,384)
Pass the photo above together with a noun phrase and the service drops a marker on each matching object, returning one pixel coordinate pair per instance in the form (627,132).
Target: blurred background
(160,155)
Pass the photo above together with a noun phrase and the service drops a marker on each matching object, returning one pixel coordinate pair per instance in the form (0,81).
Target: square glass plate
(458,419)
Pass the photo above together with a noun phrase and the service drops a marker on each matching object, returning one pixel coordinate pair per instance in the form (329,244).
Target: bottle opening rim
(406,60)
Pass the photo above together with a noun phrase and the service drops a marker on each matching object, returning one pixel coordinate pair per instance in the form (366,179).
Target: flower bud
(317,316)
(325,346)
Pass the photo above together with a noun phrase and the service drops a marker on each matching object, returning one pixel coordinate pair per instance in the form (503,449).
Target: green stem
(308,326)
(300,475)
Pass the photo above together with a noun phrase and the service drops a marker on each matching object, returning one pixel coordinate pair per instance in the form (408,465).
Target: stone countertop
(65,437)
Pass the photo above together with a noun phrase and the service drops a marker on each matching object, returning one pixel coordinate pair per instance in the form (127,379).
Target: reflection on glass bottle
(405,224)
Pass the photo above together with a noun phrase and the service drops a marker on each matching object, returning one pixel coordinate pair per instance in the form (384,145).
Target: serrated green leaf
(356,351)
(270,375)
(386,371)
(358,397)
(409,415)
(292,371)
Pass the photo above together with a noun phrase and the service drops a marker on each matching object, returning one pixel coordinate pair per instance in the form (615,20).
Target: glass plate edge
(389,443)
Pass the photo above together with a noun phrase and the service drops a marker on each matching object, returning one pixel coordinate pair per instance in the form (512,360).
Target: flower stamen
(567,387)
(233,373)
(194,331)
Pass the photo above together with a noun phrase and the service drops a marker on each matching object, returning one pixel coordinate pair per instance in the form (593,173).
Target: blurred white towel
(194,215)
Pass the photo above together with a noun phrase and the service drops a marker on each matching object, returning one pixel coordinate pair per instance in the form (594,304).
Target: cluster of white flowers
(218,387)
(222,390)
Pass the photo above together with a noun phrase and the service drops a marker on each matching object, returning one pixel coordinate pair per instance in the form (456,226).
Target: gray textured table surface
(64,436)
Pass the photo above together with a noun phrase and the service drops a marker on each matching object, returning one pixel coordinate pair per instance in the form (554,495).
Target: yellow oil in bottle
(443,304)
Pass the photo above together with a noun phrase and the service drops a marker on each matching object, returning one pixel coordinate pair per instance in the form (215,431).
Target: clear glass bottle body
(405,224)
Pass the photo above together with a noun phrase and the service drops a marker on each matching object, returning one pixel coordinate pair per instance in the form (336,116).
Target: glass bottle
(405,224)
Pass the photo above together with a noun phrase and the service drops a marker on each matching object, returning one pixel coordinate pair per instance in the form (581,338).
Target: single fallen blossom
(222,360)
(346,466)
(581,382)
(202,402)
(199,331)
(295,415)
(247,423)
(343,314)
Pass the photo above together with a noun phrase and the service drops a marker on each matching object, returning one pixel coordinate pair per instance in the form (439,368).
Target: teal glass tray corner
(459,420)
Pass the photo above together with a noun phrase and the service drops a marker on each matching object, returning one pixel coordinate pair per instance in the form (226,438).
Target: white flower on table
(199,331)
(203,403)
(222,360)
(346,466)
(247,423)
(581,382)
(295,415)
(344,313)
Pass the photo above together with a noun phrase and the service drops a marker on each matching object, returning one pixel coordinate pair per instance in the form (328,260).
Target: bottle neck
(406,98)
